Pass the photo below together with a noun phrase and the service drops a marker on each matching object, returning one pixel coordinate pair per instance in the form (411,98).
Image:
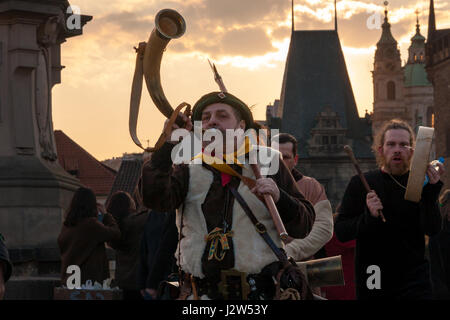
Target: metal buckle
(260,228)
(234,285)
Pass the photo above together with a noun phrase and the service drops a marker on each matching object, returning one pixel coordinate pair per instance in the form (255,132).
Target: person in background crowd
(5,266)
(439,246)
(131,225)
(150,242)
(347,252)
(310,247)
(163,263)
(82,237)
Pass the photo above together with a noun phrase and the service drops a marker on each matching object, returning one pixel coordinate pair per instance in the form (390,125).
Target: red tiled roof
(91,172)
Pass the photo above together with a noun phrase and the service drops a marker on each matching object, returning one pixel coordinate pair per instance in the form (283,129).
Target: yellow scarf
(221,164)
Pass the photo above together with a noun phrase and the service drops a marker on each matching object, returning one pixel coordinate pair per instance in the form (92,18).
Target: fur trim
(194,225)
(251,252)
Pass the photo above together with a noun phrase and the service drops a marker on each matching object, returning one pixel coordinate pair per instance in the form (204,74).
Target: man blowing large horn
(216,233)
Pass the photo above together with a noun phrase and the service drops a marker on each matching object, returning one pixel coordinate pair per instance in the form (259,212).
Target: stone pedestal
(34,190)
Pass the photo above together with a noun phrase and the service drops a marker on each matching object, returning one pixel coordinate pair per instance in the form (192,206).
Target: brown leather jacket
(84,245)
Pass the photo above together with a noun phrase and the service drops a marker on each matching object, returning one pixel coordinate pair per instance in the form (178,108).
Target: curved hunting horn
(169,24)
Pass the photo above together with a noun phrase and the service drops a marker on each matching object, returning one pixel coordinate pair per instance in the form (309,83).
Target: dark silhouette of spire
(335,16)
(431,21)
(292,15)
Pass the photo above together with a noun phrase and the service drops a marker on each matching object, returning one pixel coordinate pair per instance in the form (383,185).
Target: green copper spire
(418,39)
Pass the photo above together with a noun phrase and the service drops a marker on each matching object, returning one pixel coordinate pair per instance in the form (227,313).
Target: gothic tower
(318,107)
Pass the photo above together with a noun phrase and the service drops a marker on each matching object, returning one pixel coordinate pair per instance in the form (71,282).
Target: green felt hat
(226,98)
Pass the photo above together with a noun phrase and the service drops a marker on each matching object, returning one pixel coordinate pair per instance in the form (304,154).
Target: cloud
(246,42)
(213,27)
(281,32)
(129,22)
(355,32)
(245,12)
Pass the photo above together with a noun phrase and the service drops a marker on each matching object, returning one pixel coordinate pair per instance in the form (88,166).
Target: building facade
(402,92)
(438,68)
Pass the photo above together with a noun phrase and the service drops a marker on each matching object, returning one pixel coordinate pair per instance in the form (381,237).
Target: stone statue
(48,34)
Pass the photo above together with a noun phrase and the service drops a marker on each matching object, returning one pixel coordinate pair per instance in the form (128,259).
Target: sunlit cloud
(362,51)
(247,39)
(269,60)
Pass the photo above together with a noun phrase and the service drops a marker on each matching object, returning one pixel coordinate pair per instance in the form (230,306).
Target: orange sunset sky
(247,39)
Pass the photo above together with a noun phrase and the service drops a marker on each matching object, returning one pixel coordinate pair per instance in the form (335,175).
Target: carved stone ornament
(49,31)
(48,34)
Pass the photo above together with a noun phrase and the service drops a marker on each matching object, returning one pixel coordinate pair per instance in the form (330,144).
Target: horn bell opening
(170,24)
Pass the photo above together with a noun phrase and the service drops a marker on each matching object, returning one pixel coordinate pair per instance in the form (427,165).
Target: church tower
(387,80)
(416,51)
(418,91)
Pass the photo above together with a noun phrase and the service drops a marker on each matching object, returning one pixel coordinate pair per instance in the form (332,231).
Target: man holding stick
(389,260)
(216,233)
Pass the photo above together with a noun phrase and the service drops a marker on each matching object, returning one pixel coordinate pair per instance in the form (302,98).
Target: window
(391,90)
(73,172)
(325,139)
(430,117)
(419,122)
(333,140)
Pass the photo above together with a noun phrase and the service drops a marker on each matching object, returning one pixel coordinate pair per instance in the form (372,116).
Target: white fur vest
(251,253)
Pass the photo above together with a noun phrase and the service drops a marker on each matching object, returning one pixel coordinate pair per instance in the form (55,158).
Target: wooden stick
(361,175)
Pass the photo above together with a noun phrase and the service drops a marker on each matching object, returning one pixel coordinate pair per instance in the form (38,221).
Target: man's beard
(223,145)
(397,169)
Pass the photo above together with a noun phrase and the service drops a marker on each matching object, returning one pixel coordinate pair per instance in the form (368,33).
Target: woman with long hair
(121,206)
(83,236)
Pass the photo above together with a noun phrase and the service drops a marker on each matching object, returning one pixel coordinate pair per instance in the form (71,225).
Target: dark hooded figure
(83,236)
(131,224)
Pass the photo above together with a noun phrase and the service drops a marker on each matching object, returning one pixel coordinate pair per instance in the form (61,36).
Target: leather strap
(135,100)
(260,228)
(136,90)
